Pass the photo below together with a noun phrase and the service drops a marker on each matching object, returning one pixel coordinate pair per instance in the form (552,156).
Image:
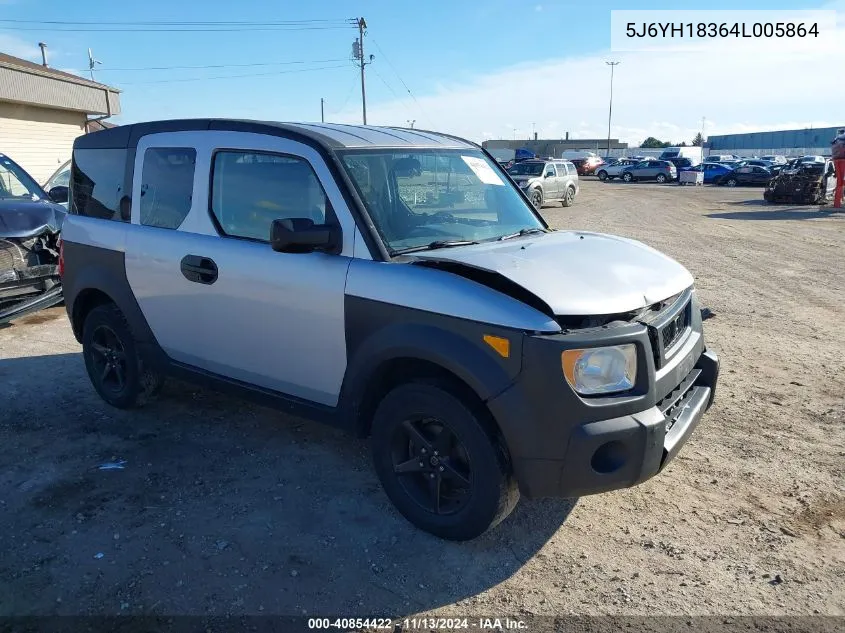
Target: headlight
(525,184)
(600,370)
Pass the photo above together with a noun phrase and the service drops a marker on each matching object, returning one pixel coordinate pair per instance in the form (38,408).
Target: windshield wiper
(434,245)
(521,233)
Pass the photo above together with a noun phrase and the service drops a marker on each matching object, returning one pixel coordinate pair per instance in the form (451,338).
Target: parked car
(777,159)
(614,169)
(719,158)
(295,264)
(30,222)
(712,171)
(659,170)
(756,162)
(682,163)
(546,181)
(587,166)
(60,178)
(746,175)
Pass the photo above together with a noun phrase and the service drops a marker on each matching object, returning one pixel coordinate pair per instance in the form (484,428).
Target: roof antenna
(43,48)
(91,62)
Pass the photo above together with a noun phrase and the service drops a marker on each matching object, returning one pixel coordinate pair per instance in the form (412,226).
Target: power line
(347,21)
(256,27)
(398,76)
(210,66)
(185,79)
(348,94)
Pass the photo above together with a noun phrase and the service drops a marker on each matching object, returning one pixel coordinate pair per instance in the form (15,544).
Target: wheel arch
(403,353)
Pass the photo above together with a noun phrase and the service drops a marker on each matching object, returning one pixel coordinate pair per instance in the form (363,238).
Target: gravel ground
(226,508)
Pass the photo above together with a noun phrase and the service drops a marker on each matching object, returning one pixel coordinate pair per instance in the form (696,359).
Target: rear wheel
(438,462)
(602,175)
(661,178)
(568,197)
(112,360)
(537,198)
(731,182)
(627,176)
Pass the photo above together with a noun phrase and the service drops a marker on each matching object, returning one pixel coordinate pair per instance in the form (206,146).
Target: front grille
(671,333)
(673,404)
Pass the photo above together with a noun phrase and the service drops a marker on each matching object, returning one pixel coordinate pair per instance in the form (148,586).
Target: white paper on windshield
(484,172)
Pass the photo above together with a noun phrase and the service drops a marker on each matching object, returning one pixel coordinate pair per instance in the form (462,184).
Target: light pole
(610,108)
(410,123)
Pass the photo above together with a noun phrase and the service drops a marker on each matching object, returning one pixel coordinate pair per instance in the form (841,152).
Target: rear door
(215,294)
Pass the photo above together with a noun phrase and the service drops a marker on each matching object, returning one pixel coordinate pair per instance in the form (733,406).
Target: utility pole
(91,63)
(322,111)
(610,108)
(358,55)
(410,123)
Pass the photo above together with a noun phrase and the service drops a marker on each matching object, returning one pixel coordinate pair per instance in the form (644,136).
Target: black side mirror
(301,235)
(58,194)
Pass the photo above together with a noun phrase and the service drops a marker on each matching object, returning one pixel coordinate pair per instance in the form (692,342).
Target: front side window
(251,189)
(62,179)
(167,186)
(16,183)
(426,197)
(96,183)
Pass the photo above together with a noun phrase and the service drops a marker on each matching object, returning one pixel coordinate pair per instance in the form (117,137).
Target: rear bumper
(607,454)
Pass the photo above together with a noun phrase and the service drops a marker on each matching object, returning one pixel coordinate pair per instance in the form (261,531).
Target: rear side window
(96,183)
(167,186)
(250,190)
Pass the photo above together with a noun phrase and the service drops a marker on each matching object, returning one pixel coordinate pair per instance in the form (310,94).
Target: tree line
(654,143)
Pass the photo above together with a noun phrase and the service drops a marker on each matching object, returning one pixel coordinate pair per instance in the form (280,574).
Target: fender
(103,270)
(378,333)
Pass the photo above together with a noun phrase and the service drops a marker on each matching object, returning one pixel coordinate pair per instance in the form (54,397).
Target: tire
(627,176)
(408,426)
(602,175)
(660,178)
(537,199)
(568,197)
(731,182)
(112,360)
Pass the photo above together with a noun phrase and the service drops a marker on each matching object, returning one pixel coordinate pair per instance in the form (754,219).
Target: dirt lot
(226,508)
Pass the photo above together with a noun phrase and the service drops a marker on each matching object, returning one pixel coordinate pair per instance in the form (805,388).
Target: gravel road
(226,508)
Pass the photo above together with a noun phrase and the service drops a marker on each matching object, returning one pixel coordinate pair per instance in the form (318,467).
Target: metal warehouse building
(785,142)
(43,110)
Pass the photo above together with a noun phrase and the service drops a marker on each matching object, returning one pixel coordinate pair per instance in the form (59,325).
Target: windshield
(16,183)
(526,169)
(426,196)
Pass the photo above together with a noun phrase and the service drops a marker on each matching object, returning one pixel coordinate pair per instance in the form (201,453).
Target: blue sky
(477,69)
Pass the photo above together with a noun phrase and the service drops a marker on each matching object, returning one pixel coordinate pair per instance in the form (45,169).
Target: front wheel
(627,176)
(661,178)
(568,197)
(602,175)
(439,463)
(537,198)
(112,360)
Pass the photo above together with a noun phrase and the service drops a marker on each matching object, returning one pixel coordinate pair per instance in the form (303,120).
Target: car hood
(575,273)
(28,218)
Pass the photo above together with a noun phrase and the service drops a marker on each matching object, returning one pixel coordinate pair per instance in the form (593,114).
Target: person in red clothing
(838,151)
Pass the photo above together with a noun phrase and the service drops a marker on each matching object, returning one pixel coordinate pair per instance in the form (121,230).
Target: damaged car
(30,222)
(810,182)
(395,283)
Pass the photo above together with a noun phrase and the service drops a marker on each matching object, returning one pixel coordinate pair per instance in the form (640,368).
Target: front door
(551,186)
(214,293)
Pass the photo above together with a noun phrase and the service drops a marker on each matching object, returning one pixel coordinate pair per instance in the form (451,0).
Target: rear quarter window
(96,183)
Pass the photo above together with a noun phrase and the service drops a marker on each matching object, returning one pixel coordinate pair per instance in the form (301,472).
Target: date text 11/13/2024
(417,624)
